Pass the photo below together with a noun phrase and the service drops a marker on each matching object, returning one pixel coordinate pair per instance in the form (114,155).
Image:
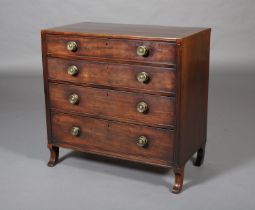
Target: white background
(224,182)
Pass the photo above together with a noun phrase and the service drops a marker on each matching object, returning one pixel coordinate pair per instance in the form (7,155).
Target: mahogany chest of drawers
(132,92)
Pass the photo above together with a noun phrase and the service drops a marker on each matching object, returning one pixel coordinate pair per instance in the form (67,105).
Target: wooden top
(126,31)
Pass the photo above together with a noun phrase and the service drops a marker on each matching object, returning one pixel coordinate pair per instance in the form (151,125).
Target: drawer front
(111,104)
(113,138)
(157,79)
(161,52)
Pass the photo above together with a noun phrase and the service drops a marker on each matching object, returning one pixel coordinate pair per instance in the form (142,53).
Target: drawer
(113,138)
(111,104)
(159,52)
(137,77)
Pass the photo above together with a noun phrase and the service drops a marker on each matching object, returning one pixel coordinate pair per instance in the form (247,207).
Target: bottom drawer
(114,139)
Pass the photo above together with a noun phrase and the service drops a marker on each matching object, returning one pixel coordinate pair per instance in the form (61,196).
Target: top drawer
(133,50)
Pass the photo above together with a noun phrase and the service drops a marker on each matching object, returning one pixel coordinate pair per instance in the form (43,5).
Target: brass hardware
(142,51)
(142,141)
(142,77)
(72,70)
(142,107)
(73,98)
(72,46)
(75,131)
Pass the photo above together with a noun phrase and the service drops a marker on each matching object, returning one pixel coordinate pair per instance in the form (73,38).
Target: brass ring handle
(142,141)
(71,46)
(142,77)
(72,70)
(75,131)
(142,107)
(142,51)
(73,98)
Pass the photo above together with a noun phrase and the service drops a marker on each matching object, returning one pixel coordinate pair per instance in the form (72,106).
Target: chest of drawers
(132,92)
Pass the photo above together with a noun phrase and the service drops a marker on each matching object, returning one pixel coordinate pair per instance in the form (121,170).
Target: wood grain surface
(116,105)
(159,52)
(126,31)
(114,75)
(118,139)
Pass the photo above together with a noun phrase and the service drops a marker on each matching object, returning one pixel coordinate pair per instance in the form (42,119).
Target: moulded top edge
(128,31)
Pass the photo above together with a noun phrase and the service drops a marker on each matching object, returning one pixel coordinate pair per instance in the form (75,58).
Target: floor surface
(79,181)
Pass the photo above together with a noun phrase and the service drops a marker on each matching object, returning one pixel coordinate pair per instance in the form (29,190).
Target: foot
(200,156)
(54,152)
(179,174)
